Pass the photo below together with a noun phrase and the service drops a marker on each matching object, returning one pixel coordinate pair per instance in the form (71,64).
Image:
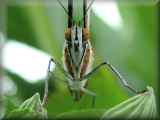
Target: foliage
(132,49)
(139,106)
(30,108)
(142,105)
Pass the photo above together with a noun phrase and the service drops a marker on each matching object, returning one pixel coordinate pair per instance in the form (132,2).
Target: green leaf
(9,104)
(30,108)
(81,114)
(140,106)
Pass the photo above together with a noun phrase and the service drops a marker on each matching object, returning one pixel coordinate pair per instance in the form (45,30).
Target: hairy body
(77,58)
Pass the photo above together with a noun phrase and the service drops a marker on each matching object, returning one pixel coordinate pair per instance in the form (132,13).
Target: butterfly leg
(91,94)
(49,73)
(115,72)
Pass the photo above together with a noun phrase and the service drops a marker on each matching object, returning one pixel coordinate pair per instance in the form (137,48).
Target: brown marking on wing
(86,34)
(85,62)
(68,62)
(67,34)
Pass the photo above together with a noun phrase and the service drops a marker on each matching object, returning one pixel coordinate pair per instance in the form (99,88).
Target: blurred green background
(132,49)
